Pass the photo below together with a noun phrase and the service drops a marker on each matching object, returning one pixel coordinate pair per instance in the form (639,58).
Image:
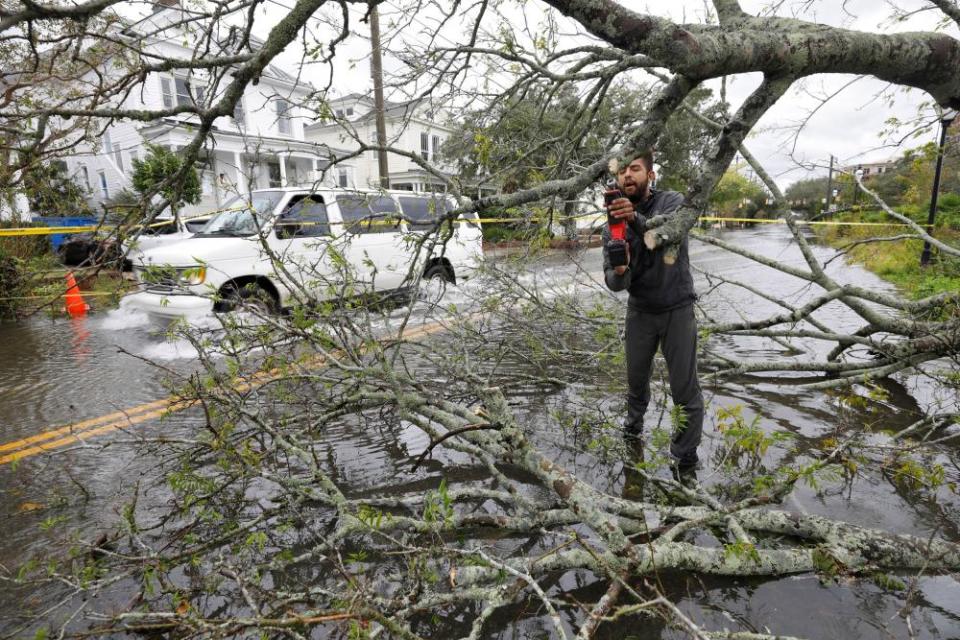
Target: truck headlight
(193,275)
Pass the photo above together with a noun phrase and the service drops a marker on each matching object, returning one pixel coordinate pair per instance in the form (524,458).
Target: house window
(283,116)
(425,146)
(104,189)
(436,147)
(166,87)
(118,156)
(349,111)
(85,175)
(343,177)
(339,113)
(106,142)
(183,92)
(238,113)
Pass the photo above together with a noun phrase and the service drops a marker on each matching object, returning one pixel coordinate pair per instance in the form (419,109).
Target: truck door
(375,246)
(301,242)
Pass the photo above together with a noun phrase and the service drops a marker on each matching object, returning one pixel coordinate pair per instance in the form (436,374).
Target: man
(659,310)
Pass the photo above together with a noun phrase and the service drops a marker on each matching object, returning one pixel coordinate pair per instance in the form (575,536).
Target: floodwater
(57,372)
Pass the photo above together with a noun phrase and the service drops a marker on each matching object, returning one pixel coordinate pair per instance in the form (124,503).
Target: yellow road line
(80,426)
(81,436)
(78,432)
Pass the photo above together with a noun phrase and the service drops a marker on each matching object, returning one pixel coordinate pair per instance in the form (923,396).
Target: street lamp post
(946,118)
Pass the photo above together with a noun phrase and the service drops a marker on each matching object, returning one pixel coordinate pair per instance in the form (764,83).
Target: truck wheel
(249,296)
(438,271)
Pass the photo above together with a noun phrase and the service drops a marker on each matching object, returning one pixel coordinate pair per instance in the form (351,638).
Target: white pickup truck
(328,242)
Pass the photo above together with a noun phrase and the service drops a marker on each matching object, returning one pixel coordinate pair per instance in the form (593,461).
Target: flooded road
(57,372)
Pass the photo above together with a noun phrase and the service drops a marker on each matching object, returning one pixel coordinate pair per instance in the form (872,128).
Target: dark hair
(647,157)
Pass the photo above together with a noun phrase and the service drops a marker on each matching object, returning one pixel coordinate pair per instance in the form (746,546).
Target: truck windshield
(242,217)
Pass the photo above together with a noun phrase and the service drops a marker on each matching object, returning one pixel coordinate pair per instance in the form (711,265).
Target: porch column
(283,169)
(241,176)
(215,174)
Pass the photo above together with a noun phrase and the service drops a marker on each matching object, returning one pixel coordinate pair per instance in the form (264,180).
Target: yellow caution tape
(715,219)
(39,231)
(45,231)
(83,294)
(838,223)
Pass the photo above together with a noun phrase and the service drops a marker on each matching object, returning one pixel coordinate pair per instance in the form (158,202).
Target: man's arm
(667,203)
(670,202)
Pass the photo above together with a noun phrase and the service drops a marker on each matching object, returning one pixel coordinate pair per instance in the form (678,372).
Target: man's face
(634,178)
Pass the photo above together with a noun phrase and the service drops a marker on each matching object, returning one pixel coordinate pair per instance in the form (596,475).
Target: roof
(353,96)
(169,125)
(270,71)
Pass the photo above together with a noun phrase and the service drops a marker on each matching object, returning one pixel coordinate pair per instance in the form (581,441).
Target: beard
(633,188)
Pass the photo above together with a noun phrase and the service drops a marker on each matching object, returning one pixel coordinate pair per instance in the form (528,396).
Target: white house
(261,145)
(412,126)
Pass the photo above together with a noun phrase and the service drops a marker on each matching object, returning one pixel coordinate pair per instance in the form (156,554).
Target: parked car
(260,251)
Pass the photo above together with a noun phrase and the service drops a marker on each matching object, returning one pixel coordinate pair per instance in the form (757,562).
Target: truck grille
(160,280)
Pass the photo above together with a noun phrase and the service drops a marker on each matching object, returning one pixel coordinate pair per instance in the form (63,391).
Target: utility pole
(829,185)
(376,68)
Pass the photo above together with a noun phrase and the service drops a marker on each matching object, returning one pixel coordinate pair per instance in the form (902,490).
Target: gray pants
(675,332)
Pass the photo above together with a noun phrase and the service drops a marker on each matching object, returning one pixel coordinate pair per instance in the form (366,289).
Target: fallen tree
(261,524)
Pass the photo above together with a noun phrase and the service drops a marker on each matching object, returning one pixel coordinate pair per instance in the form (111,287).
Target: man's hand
(651,239)
(622,209)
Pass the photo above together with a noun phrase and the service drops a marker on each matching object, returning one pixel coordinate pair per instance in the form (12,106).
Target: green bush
(155,173)
(23,247)
(948,211)
(507,231)
(52,191)
(12,283)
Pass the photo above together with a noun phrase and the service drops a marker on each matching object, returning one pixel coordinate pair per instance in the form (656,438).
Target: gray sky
(853,125)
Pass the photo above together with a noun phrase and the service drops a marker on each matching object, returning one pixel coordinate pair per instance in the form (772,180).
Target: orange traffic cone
(76,307)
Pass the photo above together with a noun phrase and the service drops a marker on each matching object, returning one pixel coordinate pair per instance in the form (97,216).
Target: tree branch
(926,61)
(671,229)
(950,8)
(729,11)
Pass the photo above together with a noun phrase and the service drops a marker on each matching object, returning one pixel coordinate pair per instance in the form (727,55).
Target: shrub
(948,211)
(12,283)
(52,191)
(505,231)
(23,247)
(156,172)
